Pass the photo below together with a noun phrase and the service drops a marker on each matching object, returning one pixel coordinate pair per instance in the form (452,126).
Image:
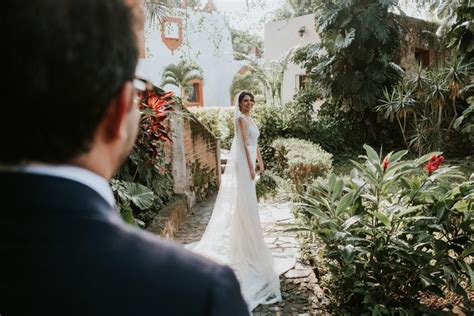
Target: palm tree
(264,77)
(245,81)
(156,11)
(181,75)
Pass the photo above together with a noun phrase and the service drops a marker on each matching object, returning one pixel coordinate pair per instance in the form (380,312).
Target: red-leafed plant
(153,128)
(144,183)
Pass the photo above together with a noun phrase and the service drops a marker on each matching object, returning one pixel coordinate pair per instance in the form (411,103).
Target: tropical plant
(244,42)
(465,123)
(143,184)
(428,103)
(181,75)
(156,11)
(267,75)
(354,62)
(247,81)
(293,8)
(399,104)
(393,229)
(456,28)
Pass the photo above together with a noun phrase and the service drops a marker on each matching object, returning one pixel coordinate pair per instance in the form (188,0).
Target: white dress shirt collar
(74,173)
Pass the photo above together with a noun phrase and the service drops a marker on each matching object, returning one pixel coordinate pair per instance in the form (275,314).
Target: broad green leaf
(467,252)
(127,214)
(372,154)
(140,195)
(370,197)
(344,203)
(409,210)
(382,218)
(337,190)
(298,229)
(332,182)
(351,221)
(316,212)
(405,183)
(462,206)
(426,281)
(397,156)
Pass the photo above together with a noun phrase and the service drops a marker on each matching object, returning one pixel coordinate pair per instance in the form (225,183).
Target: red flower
(433,164)
(385,164)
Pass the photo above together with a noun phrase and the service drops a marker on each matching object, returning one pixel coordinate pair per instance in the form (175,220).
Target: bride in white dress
(234,235)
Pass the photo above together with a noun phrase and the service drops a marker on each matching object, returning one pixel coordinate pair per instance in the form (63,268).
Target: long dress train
(234,235)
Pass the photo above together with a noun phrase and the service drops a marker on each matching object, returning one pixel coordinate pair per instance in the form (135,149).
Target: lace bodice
(252,132)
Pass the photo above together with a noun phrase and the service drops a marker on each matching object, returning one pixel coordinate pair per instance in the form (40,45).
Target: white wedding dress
(234,235)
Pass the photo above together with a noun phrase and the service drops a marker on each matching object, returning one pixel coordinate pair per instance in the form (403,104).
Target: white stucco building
(280,37)
(199,36)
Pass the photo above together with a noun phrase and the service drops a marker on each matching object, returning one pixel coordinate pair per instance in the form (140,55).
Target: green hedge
(219,121)
(301,161)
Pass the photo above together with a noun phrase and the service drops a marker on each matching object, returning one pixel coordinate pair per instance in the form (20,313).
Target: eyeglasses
(142,84)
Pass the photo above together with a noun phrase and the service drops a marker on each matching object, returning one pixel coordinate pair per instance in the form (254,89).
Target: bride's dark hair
(242,96)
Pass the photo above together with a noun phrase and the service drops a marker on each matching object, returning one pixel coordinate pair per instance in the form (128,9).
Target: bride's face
(246,105)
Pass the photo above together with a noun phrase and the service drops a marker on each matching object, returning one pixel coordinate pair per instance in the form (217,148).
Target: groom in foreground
(71,101)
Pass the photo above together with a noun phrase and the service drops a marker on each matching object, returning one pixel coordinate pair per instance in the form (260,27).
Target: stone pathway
(300,291)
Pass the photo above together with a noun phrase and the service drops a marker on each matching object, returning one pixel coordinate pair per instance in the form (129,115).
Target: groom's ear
(114,118)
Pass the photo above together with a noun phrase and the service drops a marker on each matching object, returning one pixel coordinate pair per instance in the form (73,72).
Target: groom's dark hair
(65,60)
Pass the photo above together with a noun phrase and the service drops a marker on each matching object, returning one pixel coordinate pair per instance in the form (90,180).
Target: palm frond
(156,12)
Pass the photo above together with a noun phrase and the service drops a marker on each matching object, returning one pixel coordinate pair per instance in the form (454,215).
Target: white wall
(280,37)
(206,41)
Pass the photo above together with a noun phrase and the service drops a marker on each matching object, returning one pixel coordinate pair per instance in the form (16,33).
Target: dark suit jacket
(65,251)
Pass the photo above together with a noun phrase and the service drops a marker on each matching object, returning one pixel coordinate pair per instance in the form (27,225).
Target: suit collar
(70,172)
(38,195)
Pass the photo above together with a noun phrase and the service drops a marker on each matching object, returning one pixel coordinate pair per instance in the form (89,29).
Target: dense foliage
(426,105)
(355,60)
(144,182)
(393,229)
(244,42)
(182,75)
(300,161)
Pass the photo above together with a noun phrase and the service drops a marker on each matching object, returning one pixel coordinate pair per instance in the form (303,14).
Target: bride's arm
(243,131)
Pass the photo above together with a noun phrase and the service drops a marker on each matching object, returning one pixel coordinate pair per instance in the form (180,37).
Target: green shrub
(301,161)
(268,120)
(210,119)
(219,121)
(202,180)
(227,127)
(266,185)
(298,117)
(394,229)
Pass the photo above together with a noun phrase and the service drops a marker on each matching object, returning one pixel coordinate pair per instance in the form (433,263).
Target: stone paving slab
(298,285)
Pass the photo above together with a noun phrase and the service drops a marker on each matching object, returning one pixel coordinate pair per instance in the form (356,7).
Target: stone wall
(195,157)
(202,154)
(418,40)
(170,217)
